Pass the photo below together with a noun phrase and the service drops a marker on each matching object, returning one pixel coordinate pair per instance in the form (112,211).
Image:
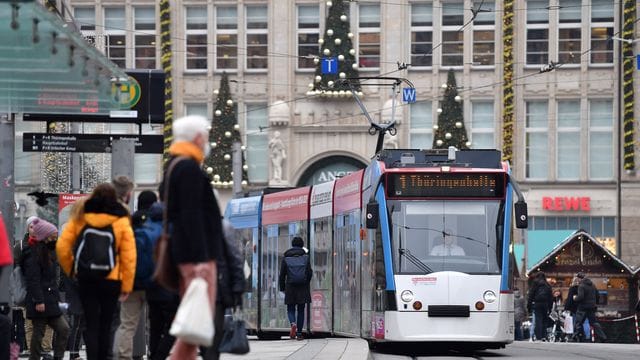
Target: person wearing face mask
(43,296)
(195,242)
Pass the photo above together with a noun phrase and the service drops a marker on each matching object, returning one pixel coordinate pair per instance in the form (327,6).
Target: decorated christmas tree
(450,130)
(337,58)
(225,131)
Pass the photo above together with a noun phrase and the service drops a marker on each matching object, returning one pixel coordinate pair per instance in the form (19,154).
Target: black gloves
(237,299)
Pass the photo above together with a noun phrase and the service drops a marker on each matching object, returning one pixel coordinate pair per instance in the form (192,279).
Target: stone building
(567,133)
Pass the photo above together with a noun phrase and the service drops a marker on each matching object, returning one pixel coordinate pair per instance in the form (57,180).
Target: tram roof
(412,158)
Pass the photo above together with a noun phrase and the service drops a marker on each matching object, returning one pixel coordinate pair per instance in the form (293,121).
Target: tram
(414,248)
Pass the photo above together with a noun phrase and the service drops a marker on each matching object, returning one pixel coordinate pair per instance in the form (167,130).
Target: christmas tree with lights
(450,130)
(337,56)
(224,132)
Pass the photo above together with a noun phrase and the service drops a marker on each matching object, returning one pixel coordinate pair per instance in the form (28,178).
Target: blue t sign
(409,95)
(329,65)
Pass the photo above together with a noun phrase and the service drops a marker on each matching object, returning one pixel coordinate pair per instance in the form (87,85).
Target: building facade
(568,92)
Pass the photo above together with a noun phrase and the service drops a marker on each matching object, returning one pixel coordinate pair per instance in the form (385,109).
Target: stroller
(560,326)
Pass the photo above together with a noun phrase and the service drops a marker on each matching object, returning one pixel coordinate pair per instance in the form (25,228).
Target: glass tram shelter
(46,67)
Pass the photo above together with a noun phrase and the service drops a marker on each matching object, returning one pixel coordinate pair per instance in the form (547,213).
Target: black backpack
(95,252)
(296,269)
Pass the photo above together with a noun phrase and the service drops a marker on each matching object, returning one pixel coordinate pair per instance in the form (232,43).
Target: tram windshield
(431,236)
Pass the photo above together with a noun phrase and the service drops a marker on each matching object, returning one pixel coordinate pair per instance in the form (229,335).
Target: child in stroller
(558,329)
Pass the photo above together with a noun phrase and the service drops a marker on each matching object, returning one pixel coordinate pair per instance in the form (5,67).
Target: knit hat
(42,229)
(580,275)
(30,220)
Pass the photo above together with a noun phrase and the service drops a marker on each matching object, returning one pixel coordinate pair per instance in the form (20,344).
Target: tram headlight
(406,296)
(489,296)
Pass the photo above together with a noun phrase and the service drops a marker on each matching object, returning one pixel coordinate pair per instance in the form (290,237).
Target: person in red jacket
(5,260)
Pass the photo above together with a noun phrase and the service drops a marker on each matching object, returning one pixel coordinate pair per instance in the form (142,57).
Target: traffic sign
(329,65)
(409,95)
(89,143)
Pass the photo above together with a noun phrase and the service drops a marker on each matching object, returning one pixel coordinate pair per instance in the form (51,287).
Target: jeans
(541,314)
(582,315)
(75,336)
(291,313)
(61,329)
(518,330)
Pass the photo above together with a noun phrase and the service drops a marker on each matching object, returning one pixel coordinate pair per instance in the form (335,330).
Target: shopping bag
(234,338)
(193,322)
(568,324)
(166,272)
(18,287)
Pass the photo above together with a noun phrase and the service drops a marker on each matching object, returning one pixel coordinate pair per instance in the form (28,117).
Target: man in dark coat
(296,293)
(586,300)
(193,215)
(539,301)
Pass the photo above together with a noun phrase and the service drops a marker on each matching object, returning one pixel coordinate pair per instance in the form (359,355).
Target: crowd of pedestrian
(92,282)
(553,317)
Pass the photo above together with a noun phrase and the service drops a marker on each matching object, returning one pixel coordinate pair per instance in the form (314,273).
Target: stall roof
(570,238)
(47,67)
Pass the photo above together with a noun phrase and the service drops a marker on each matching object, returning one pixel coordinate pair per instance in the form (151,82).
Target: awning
(47,67)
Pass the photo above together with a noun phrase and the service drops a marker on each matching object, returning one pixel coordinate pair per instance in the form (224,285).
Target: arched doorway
(329,168)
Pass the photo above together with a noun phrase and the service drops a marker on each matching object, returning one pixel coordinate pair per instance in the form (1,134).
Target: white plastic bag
(193,322)
(568,324)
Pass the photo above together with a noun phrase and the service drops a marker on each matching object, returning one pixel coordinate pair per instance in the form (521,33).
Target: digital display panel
(446,185)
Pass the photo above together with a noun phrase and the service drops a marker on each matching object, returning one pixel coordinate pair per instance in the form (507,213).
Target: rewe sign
(566,203)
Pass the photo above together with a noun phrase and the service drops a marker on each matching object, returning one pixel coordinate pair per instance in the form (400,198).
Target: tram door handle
(372,215)
(522,218)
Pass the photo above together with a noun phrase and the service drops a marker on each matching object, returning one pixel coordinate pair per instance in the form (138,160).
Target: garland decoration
(507,88)
(165,44)
(629,16)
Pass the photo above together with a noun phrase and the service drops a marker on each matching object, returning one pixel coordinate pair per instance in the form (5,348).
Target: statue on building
(278,154)
(390,142)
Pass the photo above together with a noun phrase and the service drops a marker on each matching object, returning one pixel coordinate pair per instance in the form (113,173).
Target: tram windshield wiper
(417,262)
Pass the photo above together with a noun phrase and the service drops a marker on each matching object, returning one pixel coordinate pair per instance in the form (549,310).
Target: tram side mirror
(522,218)
(372,215)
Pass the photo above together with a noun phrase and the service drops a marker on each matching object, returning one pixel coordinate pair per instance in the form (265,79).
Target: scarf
(186,148)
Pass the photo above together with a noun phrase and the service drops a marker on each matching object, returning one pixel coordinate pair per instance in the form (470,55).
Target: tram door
(347,265)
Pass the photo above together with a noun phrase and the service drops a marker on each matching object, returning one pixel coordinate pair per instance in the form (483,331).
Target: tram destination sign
(446,185)
(88,143)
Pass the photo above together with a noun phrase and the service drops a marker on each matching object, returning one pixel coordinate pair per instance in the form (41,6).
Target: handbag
(166,272)
(193,322)
(234,338)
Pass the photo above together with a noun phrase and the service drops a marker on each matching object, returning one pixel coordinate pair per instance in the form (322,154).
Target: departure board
(446,185)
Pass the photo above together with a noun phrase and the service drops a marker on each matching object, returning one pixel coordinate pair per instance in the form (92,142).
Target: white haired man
(192,210)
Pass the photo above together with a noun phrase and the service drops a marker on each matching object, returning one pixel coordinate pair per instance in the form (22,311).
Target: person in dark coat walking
(540,300)
(43,296)
(586,300)
(296,293)
(519,313)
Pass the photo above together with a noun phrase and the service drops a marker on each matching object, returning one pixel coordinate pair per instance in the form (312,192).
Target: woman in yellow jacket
(99,297)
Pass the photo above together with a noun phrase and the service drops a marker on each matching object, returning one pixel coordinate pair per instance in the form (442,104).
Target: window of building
(257,37)
(597,226)
(421,34)
(536,144)
(421,134)
(452,36)
(226,37)
(484,33)
(537,32)
(482,125)
(569,31)
(369,36)
(568,140)
(257,143)
(85,18)
(196,34)
(601,32)
(308,35)
(145,37)
(197,109)
(601,139)
(115,31)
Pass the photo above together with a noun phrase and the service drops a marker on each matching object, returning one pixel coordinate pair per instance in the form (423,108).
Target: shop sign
(566,203)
